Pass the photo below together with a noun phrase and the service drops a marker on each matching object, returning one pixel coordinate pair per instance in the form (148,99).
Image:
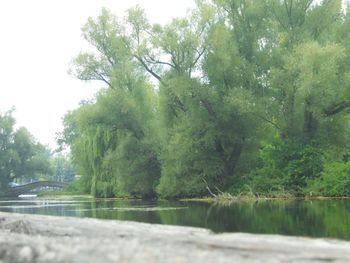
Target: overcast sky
(38,40)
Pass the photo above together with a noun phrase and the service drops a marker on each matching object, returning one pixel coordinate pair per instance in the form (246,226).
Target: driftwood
(220,193)
(208,188)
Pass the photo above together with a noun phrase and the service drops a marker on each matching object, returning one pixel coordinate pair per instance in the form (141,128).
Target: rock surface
(35,238)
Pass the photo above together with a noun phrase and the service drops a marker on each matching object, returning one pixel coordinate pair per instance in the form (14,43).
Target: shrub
(286,166)
(334,181)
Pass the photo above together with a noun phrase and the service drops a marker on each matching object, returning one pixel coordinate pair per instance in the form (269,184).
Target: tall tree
(194,101)
(119,142)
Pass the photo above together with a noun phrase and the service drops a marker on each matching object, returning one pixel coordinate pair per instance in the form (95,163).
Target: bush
(75,187)
(334,182)
(286,166)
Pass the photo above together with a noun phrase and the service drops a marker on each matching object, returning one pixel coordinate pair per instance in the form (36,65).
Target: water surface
(326,218)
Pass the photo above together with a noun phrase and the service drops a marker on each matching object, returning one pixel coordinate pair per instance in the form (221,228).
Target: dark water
(329,218)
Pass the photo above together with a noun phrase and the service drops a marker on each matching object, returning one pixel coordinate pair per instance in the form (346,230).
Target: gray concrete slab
(36,238)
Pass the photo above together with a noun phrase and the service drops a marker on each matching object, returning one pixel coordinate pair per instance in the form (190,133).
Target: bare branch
(207,187)
(152,60)
(148,69)
(200,54)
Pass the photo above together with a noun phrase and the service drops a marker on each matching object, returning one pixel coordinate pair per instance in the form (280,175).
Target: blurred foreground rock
(35,238)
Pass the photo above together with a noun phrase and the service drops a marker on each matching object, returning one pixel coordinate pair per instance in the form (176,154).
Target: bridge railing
(22,189)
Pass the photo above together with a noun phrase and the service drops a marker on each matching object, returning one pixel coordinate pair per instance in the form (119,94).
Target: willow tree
(116,142)
(193,102)
(209,81)
(309,90)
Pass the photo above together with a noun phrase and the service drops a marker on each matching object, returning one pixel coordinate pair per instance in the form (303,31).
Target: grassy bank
(226,198)
(60,193)
(221,198)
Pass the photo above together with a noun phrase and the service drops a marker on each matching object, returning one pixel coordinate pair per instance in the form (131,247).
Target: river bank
(36,238)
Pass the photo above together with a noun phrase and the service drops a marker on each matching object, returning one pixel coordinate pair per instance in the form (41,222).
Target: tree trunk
(310,125)
(230,161)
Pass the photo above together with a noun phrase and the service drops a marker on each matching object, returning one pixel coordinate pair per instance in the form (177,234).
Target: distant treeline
(241,95)
(23,159)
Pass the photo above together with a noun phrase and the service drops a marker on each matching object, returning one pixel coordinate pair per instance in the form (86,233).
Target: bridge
(26,188)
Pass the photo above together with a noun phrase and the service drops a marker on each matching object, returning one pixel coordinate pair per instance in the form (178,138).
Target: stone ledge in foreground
(36,238)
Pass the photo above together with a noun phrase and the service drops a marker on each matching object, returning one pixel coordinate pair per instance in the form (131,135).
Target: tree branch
(334,109)
(148,69)
(155,61)
(269,121)
(200,53)
(207,186)
(99,77)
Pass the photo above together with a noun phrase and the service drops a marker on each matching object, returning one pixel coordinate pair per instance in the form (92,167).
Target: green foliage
(138,160)
(114,140)
(287,166)
(75,187)
(63,170)
(334,181)
(21,157)
(230,75)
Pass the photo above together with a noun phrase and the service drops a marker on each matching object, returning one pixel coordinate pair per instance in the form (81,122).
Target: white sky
(38,39)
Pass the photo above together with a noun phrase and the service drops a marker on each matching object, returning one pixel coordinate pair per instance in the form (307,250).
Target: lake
(316,218)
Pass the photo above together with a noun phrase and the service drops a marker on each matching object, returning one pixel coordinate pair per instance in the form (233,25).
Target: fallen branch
(207,186)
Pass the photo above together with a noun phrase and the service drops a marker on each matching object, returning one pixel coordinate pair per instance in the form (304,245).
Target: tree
(308,91)
(117,144)
(237,89)
(21,156)
(63,170)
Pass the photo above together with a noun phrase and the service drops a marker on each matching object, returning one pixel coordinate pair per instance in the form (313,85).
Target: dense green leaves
(287,166)
(239,92)
(21,157)
(335,181)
